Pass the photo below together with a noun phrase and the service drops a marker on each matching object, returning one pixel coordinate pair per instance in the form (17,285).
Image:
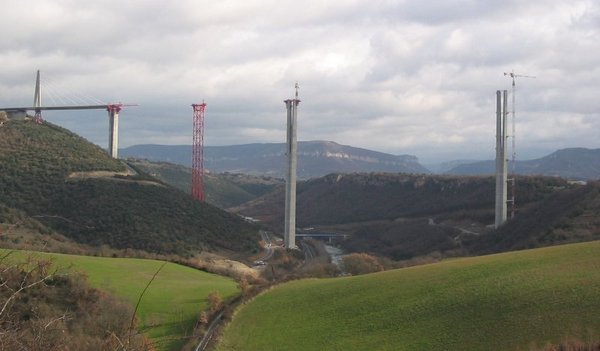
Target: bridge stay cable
(37,106)
(69,96)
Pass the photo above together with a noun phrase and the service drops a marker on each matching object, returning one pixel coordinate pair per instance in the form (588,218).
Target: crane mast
(513,75)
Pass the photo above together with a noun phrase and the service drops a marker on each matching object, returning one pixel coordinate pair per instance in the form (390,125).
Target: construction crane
(513,75)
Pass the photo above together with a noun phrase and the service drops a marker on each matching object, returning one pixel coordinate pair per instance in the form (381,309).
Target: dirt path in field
(112,176)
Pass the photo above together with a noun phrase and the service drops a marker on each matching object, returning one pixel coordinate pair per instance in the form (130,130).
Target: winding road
(268,246)
(215,322)
(309,251)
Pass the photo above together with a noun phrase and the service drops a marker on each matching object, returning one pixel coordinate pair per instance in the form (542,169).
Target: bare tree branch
(140,300)
(21,288)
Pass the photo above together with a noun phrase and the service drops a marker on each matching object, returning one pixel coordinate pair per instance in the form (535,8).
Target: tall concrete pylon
(291,105)
(501,160)
(113,129)
(37,99)
(37,95)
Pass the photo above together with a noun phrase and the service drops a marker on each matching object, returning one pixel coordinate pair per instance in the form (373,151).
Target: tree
(361,263)
(244,285)
(3,118)
(215,301)
(204,317)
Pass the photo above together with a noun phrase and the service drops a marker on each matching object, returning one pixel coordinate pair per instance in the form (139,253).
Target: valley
(60,193)
(315,175)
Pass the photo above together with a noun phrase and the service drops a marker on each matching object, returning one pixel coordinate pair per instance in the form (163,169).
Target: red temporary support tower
(198,152)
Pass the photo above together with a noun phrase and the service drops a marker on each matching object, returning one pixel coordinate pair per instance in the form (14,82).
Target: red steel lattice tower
(198,152)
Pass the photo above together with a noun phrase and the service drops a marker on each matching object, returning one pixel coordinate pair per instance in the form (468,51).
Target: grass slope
(172,303)
(505,301)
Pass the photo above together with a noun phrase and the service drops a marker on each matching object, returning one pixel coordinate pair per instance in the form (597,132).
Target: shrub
(361,263)
(41,309)
(215,301)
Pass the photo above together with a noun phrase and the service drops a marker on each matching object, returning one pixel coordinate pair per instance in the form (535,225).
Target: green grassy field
(511,301)
(171,304)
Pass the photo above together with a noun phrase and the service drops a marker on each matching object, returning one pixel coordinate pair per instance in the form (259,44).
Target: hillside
(513,301)
(571,215)
(572,163)
(315,158)
(398,215)
(73,187)
(171,305)
(359,197)
(223,190)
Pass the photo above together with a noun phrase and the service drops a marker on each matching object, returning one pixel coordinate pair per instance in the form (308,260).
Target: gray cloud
(395,76)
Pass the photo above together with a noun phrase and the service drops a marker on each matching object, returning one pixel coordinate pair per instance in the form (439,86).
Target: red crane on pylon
(198,152)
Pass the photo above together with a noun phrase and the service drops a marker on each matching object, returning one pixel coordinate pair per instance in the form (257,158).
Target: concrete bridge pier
(501,160)
(290,184)
(113,132)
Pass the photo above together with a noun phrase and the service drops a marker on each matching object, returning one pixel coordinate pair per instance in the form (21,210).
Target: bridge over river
(328,236)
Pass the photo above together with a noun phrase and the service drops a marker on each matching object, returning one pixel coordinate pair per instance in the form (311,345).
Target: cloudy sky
(403,77)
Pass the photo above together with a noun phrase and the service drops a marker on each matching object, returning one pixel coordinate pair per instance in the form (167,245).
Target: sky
(401,77)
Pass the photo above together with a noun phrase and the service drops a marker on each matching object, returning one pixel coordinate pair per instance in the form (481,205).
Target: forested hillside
(75,188)
(571,215)
(359,197)
(402,216)
(223,190)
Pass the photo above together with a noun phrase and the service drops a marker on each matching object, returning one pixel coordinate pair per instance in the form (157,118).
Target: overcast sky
(403,77)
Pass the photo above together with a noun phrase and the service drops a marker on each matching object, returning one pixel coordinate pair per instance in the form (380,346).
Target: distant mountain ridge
(571,163)
(315,158)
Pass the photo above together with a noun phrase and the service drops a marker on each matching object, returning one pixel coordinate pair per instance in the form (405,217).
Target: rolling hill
(315,158)
(511,301)
(74,188)
(572,163)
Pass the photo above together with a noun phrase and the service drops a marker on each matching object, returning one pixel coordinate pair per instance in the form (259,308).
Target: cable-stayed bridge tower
(37,99)
(113,113)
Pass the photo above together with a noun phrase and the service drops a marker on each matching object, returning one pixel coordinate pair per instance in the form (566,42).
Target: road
(209,333)
(268,246)
(430,221)
(309,251)
(215,322)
